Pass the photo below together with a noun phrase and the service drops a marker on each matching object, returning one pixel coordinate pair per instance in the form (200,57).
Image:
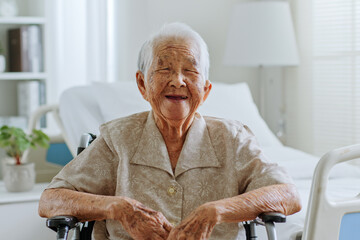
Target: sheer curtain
(101,40)
(336,73)
(82,39)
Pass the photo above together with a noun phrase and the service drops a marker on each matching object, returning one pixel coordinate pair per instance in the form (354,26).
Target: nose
(177,80)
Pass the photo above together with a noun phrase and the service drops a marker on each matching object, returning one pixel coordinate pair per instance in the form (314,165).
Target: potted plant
(19,175)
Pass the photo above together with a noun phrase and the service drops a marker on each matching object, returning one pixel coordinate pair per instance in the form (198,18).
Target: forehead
(172,49)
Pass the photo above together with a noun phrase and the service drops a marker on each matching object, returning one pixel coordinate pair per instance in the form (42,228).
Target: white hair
(178,31)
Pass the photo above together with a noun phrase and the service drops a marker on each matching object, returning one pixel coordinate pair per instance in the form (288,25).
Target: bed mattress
(344,183)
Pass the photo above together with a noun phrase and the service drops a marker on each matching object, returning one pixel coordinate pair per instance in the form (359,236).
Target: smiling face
(175,86)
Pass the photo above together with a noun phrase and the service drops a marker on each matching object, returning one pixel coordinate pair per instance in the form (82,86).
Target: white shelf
(15,197)
(22,20)
(22,75)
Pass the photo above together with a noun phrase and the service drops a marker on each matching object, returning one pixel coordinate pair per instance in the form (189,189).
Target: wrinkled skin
(142,222)
(175,87)
(199,224)
(138,220)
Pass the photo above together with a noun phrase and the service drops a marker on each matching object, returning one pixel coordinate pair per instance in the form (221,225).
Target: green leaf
(15,141)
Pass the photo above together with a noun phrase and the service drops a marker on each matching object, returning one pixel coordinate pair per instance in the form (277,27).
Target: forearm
(281,198)
(84,206)
(138,220)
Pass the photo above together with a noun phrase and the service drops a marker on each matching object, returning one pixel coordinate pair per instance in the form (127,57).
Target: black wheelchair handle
(62,225)
(273,217)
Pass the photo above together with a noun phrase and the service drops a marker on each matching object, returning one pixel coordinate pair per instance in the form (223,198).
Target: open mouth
(176,97)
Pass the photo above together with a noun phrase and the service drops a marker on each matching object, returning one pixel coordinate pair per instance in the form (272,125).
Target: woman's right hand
(140,221)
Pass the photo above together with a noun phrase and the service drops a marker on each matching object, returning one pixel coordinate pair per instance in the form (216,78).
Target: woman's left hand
(198,225)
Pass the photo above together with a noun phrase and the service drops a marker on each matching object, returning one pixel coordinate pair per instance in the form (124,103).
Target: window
(336,73)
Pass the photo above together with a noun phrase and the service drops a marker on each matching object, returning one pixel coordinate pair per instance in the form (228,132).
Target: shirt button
(171,190)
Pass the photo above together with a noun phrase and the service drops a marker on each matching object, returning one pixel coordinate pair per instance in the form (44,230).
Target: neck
(174,134)
(173,131)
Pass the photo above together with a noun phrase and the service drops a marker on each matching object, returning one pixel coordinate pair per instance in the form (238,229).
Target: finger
(164,222)
(207,232)
(146,209)
(167,226)
(163,235)
(182,237)
(192,227)
(173,234)
(158,226)
(198,230)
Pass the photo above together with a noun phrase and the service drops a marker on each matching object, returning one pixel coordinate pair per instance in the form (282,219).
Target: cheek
(196,90)
(155,87)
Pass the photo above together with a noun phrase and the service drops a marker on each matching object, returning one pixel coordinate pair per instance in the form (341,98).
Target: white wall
(299,82)
(209,18)
(137,19)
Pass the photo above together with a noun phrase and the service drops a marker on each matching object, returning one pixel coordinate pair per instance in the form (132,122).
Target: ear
(207,89)
(140,80)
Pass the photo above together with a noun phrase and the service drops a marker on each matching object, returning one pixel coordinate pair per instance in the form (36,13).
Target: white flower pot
(19,178)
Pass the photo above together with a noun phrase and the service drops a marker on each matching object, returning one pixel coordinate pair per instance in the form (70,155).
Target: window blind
(336,73)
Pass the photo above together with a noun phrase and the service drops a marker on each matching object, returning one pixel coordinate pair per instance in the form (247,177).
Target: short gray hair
(173,30)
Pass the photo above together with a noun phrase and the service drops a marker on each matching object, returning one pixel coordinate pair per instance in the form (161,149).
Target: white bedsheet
(344,183)
(338,189)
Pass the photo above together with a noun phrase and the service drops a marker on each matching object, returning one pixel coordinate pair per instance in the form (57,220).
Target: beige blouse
(220,158)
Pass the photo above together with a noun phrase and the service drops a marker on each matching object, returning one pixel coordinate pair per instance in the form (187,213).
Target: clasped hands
(142,222)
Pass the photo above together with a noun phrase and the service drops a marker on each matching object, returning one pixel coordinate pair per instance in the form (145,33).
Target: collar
(197,151)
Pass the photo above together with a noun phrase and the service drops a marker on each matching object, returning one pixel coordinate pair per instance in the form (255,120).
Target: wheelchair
(82,231)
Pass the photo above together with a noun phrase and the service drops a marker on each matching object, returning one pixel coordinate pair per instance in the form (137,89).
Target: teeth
(177,97)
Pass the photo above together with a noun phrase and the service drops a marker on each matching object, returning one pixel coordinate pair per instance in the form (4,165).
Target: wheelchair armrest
(272,217)
(62,225)
(267,219)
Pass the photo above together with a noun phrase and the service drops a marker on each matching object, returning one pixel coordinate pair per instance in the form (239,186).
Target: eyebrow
(191,59)
(160,61)
(194,61)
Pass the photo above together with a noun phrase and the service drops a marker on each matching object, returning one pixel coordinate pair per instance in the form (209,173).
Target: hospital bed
(82,109)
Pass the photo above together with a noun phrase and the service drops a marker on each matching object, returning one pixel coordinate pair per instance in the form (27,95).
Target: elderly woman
(171,173)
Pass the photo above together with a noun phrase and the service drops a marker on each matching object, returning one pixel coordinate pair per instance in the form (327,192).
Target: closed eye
(192,71)
(164,69)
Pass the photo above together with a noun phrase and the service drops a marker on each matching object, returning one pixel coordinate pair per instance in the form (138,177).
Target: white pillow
(80,113)
(234,101)
(119,99)
(231,101)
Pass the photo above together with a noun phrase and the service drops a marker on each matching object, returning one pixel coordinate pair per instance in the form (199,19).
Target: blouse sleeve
(92,171)
(254,170)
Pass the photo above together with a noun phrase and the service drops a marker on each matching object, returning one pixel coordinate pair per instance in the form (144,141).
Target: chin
(176,113)
(177,116)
